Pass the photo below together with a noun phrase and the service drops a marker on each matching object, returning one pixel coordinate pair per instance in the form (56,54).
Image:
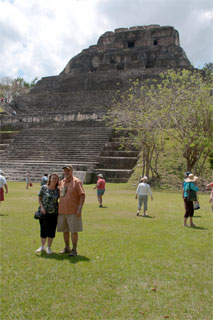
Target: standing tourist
(72,197)
(100,186)
(210,185)
(3,185)
(142,192)
(189,195)
(48,200)
(28,180)
(44,179)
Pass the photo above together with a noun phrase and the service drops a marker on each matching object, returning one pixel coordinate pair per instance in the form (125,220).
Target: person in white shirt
(3,184)
(142,192)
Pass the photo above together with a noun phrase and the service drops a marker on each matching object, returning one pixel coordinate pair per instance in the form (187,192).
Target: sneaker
(40,249)
(137,213)
(186,225)
(65,250)
(100,206)
(73,253)
(48,250)
(192,225)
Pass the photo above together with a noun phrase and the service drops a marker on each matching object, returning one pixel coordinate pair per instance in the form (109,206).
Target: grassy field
(128,267)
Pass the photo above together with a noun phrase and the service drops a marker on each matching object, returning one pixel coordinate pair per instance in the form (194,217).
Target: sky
(39,37)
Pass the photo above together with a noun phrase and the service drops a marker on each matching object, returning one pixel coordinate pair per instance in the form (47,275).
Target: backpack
(191,194)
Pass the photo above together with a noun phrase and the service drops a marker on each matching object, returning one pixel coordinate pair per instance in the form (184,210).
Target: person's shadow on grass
(146,216)
(3,215)
(198,228)
(61,257)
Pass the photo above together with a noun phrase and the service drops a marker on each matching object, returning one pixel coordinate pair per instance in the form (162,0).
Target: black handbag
(38,214)
(191,194)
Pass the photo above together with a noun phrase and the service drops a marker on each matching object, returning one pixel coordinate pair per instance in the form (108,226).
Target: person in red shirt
(100,186)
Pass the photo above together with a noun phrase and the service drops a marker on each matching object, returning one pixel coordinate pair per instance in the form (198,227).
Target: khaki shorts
(69,223)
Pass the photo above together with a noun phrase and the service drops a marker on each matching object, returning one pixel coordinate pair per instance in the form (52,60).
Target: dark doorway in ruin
(155,42)
(131,44)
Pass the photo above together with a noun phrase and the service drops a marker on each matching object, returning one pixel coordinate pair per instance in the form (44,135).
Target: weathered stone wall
(133,48)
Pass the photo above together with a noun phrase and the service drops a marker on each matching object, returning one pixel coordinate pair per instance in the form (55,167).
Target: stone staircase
(46,149)
(116,163)
(90,146)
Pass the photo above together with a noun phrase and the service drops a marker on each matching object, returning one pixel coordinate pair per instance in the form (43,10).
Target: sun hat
(100,175)
(144,178)
(191,178)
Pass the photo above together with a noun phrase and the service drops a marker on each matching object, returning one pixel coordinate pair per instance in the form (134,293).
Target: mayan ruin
(61,120)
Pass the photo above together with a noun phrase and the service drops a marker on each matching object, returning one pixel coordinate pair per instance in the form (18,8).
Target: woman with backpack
(189,195)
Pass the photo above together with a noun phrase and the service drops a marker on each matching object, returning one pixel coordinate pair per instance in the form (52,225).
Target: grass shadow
(197,217)
(3,215)
(61,257)
(198,228)
(147,216)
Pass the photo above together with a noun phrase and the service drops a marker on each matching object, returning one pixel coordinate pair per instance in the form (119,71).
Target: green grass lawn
(128,267)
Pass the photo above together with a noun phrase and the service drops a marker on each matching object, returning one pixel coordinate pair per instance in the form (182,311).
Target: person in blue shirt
(44,179)
(189,207)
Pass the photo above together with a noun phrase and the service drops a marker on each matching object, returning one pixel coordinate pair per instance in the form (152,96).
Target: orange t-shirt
(70,193)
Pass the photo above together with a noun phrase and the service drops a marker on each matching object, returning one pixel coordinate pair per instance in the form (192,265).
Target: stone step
(119,153)
(16,171)
(114,173)
(4,146)
(110,145)
(117,180)
(117,162)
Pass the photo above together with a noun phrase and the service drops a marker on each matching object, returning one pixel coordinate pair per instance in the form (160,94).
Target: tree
(10,88)
(131,114)
(186,106)
(179,104)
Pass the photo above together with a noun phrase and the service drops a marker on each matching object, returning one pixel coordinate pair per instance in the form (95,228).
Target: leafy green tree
(131,113)
(186,106)
(179,104)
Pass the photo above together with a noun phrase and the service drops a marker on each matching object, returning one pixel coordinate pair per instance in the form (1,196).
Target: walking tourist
(3,185)
(189,195)
(100,186)
(142,192)
(48,200)
(72,197)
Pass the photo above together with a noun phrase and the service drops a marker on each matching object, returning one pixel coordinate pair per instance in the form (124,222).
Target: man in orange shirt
(72,197)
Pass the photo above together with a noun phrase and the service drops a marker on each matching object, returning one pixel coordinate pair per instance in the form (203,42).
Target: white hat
(191,178)
(144,178)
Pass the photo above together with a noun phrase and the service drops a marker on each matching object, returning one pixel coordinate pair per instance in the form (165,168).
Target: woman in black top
(48,201)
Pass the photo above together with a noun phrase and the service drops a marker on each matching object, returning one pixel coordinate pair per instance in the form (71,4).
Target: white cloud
(39,37)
